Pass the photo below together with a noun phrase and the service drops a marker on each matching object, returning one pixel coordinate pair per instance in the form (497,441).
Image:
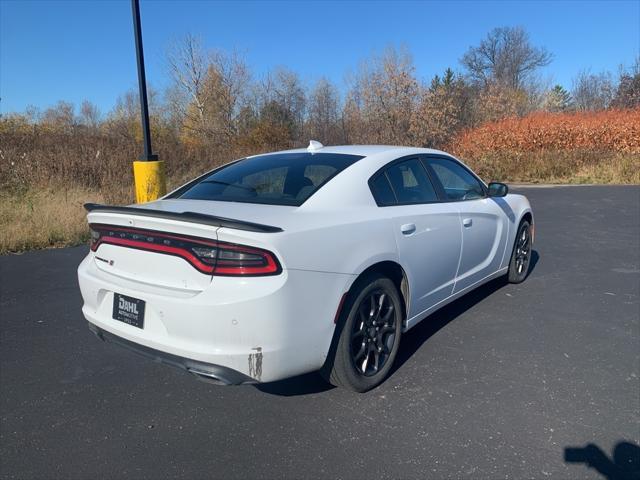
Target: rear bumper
(264,328)
(205,371)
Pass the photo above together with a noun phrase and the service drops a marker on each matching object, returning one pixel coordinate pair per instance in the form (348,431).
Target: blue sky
(75,50)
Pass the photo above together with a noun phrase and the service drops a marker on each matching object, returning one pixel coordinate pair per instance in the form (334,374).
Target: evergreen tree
(558,99)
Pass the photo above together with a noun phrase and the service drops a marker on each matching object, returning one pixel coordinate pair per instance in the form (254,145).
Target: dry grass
(44,218)
(47,175)
(558,166)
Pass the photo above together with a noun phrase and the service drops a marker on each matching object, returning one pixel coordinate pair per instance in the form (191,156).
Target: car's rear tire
(521,254)
(369,335)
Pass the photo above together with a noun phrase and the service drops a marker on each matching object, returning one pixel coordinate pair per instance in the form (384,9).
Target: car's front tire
(371,326)
(521,254)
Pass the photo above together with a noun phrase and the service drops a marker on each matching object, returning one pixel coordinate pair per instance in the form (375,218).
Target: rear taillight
(95,238)
(207,256)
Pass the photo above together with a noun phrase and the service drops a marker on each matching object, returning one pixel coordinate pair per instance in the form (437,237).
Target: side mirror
(497,189)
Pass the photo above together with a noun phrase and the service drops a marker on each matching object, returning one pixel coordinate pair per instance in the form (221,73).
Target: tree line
(214,102)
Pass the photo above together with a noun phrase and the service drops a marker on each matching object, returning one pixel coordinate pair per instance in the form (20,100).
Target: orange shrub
(615,131)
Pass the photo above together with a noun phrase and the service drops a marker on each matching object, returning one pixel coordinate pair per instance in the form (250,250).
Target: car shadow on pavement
(301,385)
(624,464)
(433,323)
(314,383)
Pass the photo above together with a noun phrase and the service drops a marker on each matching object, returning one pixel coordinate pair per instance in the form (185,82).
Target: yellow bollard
(149,180)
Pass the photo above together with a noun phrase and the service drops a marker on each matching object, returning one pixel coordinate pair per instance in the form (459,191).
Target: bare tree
(628,91)
(32,114)
(282,91)
(231,80)
(272,113)
(124,118)
(207,91)
(592,91)
(382,100)
(506,57)
(62,115)
(187,67)
(323,122)
(89,114)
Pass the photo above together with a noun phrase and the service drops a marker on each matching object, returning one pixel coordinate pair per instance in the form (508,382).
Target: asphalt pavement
(503,383)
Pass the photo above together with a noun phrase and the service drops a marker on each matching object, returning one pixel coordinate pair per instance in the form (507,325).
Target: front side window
(277,179)
(457,181)
(410,182)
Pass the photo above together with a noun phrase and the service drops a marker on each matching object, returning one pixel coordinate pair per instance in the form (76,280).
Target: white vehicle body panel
(273,327)
(484,239)
(431,252)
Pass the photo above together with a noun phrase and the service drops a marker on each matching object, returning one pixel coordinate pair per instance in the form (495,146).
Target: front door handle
(467,222)
(408,228)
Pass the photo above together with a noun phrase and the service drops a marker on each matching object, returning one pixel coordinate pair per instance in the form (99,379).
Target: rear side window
(410,182)
(278,179)
(382,191)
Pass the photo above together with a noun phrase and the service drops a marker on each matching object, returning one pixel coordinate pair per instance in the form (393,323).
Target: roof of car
(367,150)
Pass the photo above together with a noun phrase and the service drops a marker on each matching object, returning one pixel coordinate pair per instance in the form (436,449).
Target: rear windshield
(278,179)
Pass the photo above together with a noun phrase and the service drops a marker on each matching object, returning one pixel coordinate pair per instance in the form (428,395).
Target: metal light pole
(148,172)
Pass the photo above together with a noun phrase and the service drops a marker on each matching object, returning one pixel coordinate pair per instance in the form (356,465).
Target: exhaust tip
(96,331)
(209,377)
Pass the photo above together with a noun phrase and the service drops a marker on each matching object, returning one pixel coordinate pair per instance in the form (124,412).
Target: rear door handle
(408,228)
(467,222)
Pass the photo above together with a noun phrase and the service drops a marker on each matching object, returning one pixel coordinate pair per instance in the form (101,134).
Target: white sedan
(291,262)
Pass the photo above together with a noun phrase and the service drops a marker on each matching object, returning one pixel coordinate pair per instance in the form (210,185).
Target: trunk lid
(154,243)
(130,258)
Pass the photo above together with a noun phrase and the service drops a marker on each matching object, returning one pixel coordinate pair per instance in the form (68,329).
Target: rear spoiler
(192,217)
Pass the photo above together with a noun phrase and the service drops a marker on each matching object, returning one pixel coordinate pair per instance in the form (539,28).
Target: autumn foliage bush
(579,147)
(610,130)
